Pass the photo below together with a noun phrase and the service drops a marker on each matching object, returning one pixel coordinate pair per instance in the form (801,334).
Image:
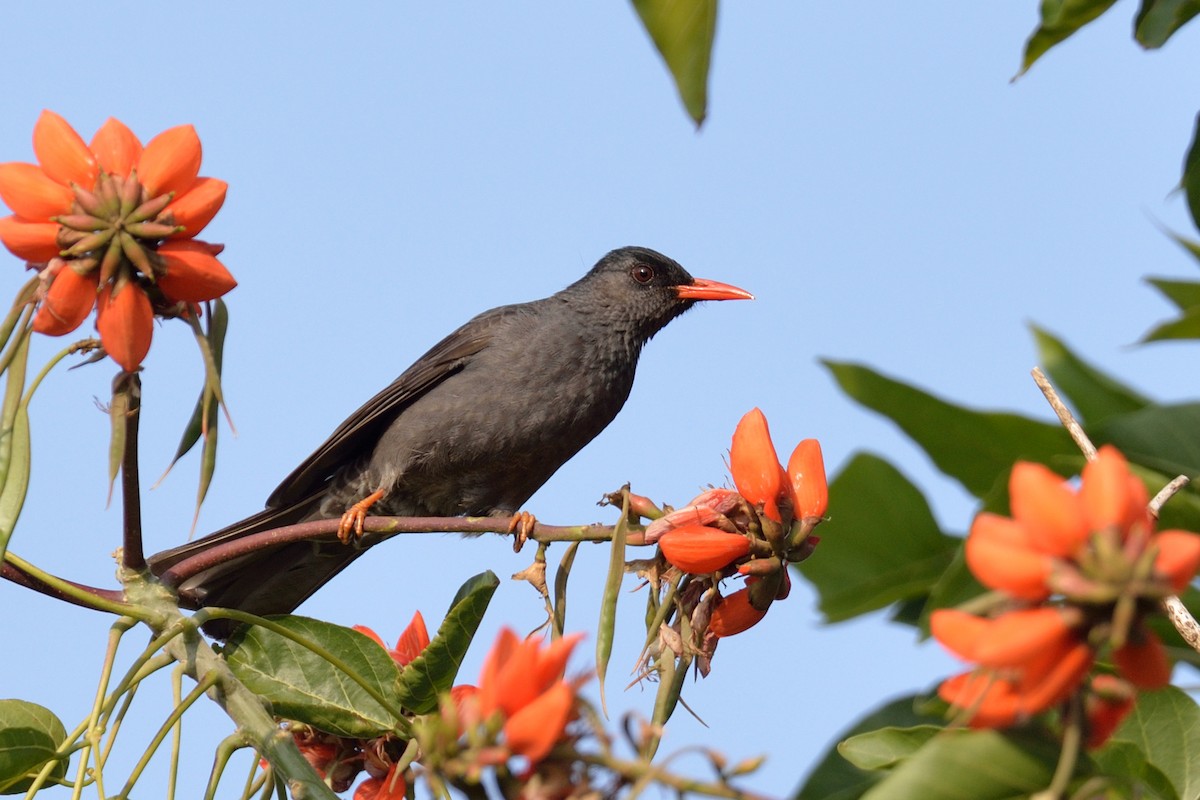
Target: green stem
(78,594)
(202,686)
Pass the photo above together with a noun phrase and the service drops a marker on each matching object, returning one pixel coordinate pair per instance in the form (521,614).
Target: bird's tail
(267,580)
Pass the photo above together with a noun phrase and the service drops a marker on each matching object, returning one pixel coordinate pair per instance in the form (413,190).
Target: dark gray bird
(473,428)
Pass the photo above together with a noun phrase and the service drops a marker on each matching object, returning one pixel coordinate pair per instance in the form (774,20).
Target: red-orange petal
(31,194)
(993,702)
(733,614)
(412,642)
(1178,557)
(32,241)
(699,550)
(535,729)
(806,469)
(64,156)
(117,149)
(552,662)
(1144,663)
(1056,674)
(69,300)
(489,677)
(1018,637)
(1103,718)
(1049,509)
(998,554)
(364,630)
(958,631)
(126,324)
(171,161)
(192,274)
(196,207)
(755,466)
(390,787)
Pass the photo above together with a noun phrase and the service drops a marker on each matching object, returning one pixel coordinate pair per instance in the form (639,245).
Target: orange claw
(353,519)
(522,524)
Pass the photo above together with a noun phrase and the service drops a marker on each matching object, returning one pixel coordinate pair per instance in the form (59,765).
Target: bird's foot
(521,525)
(352,520)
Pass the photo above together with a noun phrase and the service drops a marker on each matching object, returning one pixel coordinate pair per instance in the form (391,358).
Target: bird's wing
(357,435)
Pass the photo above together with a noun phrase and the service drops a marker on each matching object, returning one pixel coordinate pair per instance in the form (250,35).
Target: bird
(473,428)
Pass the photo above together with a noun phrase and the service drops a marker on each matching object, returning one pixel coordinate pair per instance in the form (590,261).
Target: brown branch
(1064,414)
(375,530)
(132,556)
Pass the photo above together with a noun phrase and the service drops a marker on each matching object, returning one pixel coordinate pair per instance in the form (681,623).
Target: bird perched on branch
(473,428)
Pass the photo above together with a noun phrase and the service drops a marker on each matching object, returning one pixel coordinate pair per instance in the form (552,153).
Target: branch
(130,385)
(375,530)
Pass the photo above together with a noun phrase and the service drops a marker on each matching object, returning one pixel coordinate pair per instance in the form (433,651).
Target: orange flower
(412,642)
(108,209)
(1178,557)
(1009,640)
(997,699)
(390,787)
(733,614)
(1143,661)
(1112,497)
(756,470)
(523,682)
(1049,510)
(806,469)
(1000,555)
(699,549)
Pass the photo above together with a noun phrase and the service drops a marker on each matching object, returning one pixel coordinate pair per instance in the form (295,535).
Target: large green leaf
(884,748)
(433,672)
(1122,760)
(1165,726)
(835,778)
(1185,326)
(976,448)
(29,736)
(683,32)
(1157,20)
(881,543)
(303,686)
(1060,19)
(1094,394)
(963,764)
(1164,438)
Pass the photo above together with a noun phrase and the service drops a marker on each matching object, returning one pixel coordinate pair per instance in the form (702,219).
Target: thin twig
(1064,414)
(1167,492)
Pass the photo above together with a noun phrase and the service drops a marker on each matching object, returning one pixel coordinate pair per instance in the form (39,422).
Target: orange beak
(703,289)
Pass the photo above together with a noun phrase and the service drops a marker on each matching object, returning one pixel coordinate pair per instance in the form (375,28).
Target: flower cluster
(1075,574)
(110,225)
(522,693)
(755,531)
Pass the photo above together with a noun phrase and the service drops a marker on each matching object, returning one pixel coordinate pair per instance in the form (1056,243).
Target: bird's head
(646,289)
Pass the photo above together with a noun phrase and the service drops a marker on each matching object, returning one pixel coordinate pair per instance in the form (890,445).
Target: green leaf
(881,543)
(606,625)
(433,672)
(835,778)
(303,686)
(1123,760)
(1184,294)
(1157,20)
(955,586)
(29,736)
(1185,326)
(683,32)
(1165,726)
(976,448)
(963,764)
(1060,19)
(1162,438)
(886,747)
(1191,175)
(1094,394)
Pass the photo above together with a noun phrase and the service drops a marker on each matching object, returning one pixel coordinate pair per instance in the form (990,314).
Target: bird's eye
(641,273)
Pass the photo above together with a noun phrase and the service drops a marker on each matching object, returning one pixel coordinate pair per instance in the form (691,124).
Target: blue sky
(874,178)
